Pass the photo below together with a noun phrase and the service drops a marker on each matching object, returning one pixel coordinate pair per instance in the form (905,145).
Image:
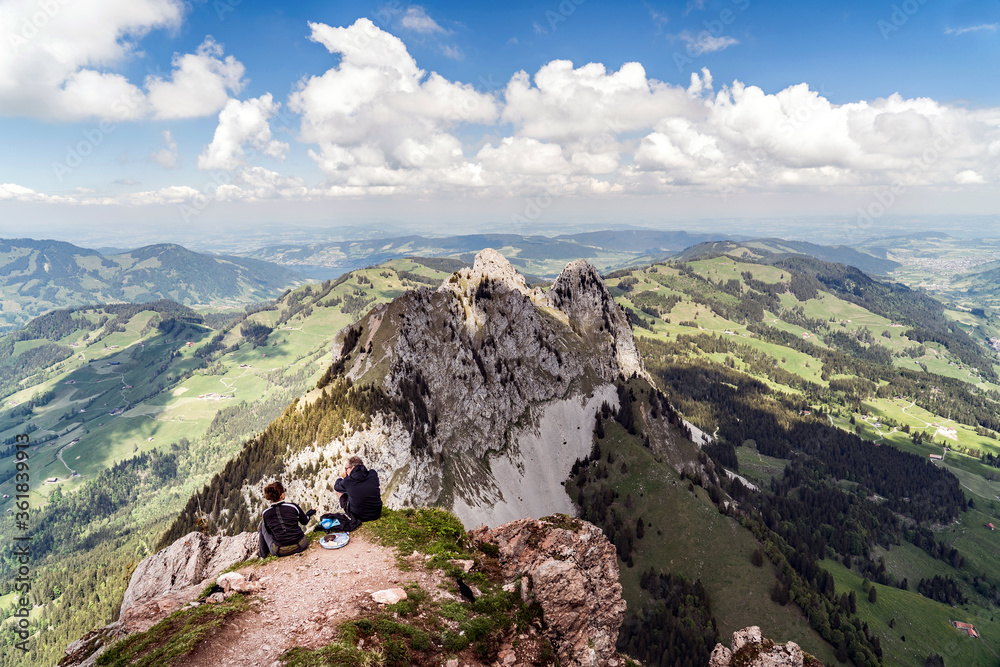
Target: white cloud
(452,52)
(379,125)
(416,19)
(242,124)
(59,62)
(659,19)
(705,42)
(199,84)
(14,192)
(991,27)
(693,5)
(969,177)
(568,104)
(126,181)
(166,157)
(378,119)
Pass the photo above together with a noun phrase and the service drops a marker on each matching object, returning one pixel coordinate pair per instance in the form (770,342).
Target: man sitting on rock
(280,534)
(358,491)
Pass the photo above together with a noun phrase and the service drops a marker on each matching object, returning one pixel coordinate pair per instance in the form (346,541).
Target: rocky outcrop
(579,291)
(188,563)
(750,649)
(569,567)
(163,583)
(495,386)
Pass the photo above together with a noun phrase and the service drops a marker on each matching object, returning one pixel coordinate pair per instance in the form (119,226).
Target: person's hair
(273,491)
(354,461)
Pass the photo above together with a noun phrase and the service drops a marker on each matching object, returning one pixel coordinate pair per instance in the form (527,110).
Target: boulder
(187,563)
(389,596)
(229,580)
(165,582)
(570,568)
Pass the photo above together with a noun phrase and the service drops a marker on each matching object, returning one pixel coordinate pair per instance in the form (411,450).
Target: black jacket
(282,520)
(364,497)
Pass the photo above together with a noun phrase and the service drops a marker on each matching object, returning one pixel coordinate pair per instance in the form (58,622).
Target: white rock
(466,565)
(389,596)
(229,579)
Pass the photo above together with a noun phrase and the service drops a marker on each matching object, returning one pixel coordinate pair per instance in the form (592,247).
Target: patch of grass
(430,531)
(172,638)
(403,632)
(252,561)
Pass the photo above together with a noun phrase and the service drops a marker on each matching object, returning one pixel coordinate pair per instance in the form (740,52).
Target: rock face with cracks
(569,567)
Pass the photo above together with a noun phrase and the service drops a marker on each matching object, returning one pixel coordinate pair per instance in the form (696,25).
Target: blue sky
(162,114)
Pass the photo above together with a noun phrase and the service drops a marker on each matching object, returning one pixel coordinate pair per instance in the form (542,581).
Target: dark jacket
(364,497)
(282,520)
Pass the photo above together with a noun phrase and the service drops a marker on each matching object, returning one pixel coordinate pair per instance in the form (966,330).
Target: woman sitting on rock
(280,534)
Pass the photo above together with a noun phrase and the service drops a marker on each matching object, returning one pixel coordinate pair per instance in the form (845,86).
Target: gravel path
(303,600)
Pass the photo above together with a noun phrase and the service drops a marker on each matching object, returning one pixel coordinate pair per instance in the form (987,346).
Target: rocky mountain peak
(564,569)
(489,265)
(580,293)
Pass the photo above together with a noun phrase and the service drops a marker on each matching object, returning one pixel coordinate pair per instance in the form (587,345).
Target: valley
(152,400)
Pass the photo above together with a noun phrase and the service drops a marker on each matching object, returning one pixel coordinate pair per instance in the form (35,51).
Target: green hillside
(824,390)
(775,357)
(189,386)
(39,276)
(771,248)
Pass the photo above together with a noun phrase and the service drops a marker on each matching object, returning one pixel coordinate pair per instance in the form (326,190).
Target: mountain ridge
(40,276)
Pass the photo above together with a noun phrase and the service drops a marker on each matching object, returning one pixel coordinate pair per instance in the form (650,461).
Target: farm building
(968,628)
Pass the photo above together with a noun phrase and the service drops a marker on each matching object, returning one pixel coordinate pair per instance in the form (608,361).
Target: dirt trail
(304,598)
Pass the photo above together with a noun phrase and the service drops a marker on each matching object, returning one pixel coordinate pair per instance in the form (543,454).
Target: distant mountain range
(39,276)
(545,256)
(766,248)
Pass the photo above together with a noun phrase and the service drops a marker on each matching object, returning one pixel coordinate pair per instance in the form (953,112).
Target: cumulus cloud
(166,157)
(58,62)
(969,177)
(378,125)
(379,120)
(199,85)
(14,192)
(243,124)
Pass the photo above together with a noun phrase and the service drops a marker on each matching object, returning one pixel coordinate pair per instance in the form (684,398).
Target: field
(921,627)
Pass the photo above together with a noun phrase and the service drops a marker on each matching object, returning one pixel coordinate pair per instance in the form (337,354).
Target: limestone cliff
(493,386)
